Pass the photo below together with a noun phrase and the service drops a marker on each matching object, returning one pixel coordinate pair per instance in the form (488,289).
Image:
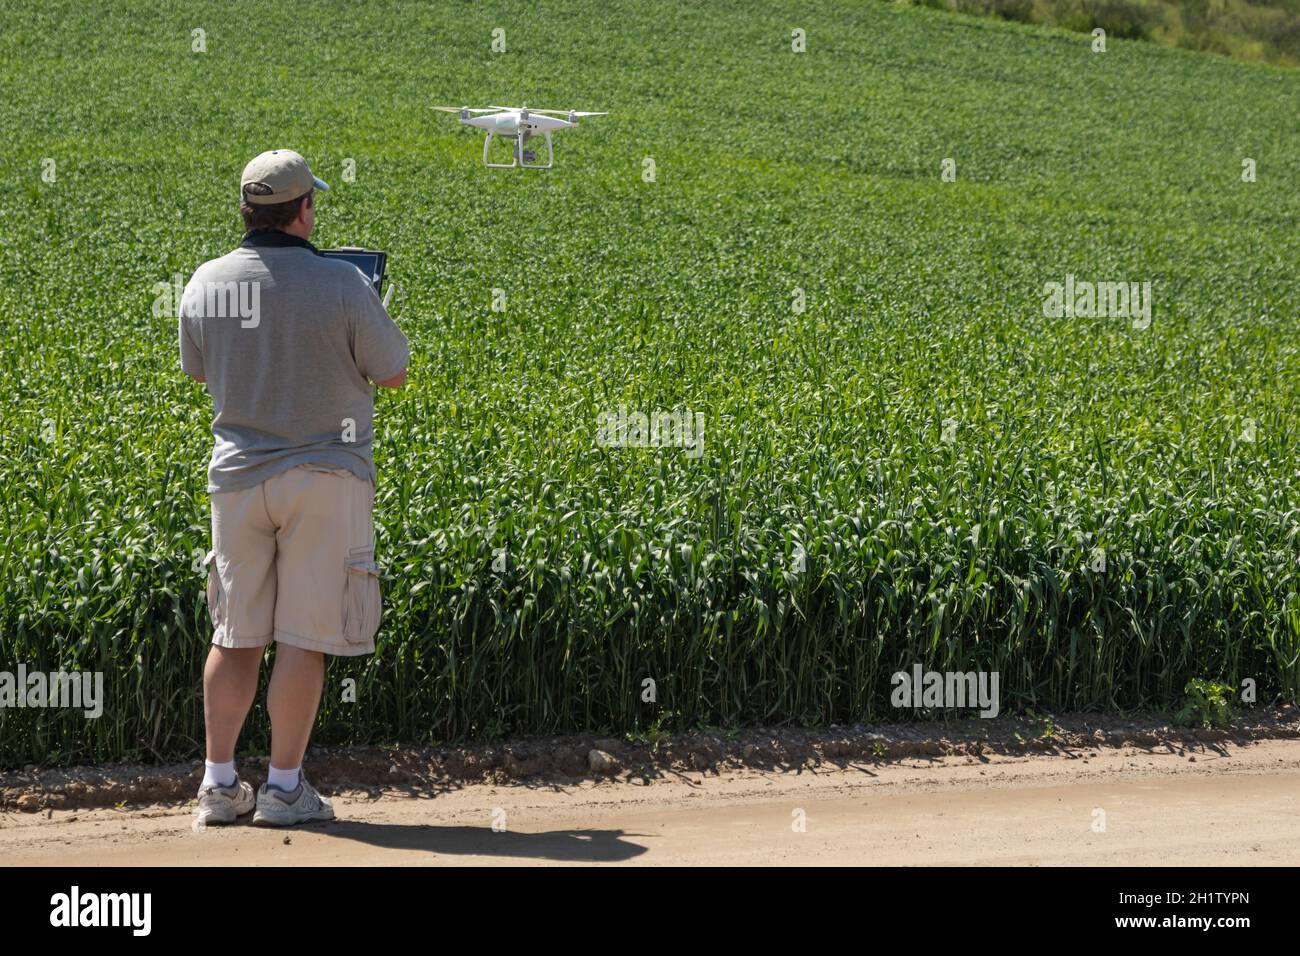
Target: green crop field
(905,458)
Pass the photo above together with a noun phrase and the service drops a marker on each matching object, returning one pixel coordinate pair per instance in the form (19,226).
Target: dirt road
(1236,804)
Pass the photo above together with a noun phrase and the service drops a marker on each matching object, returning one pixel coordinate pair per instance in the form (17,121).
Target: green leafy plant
(656,734)
(1206,704)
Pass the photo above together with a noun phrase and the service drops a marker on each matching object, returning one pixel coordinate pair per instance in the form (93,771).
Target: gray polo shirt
(288,341)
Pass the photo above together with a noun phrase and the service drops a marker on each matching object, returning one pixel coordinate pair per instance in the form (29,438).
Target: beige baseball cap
(278,175)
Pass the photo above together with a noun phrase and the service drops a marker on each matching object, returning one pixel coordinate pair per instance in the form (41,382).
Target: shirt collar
(273,238)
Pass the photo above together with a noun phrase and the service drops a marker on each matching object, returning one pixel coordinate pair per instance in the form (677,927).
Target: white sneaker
(223,804)
(280,808)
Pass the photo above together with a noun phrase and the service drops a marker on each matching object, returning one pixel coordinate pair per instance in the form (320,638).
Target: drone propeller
(465,109)
(567,112)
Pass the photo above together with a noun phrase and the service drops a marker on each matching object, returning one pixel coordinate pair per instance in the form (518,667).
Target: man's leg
(241,601)
(292,701)
(229,686)
(328,603)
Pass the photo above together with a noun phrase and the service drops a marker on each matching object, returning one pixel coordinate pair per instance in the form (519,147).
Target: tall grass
(533,579)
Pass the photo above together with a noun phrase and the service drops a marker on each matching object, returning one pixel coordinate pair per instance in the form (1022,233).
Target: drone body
(520,125)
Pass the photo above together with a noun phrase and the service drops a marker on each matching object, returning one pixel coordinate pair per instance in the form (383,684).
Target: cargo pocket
(361,598)
(215,594)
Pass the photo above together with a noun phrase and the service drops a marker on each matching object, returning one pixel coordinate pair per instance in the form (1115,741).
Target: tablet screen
(370,262)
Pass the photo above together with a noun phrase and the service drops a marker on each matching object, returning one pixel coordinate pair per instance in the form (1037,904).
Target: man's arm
(379,347)
(191,353)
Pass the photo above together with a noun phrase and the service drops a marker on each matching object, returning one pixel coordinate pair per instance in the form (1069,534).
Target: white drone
(519,124)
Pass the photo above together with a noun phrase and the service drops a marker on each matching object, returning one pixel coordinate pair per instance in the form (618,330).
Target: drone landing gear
(520,158)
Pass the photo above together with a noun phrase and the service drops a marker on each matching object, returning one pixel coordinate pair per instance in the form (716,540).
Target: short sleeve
(191,351)
(378,345)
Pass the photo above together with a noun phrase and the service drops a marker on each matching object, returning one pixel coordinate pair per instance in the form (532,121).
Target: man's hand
(394,382)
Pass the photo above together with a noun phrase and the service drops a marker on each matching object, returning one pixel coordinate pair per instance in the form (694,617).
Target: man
(287,342)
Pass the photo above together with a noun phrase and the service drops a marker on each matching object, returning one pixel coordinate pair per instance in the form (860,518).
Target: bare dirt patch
(1214,803)
(541,761)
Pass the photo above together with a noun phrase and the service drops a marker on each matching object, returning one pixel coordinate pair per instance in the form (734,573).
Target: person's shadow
(594,846)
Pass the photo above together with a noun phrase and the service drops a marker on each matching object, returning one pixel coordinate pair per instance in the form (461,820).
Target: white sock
(286,780)
(220,774)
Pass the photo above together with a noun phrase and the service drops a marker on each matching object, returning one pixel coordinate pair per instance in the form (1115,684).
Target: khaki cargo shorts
(293,560)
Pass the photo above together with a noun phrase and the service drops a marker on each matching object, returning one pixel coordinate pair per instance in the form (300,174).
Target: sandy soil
(1209,805)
